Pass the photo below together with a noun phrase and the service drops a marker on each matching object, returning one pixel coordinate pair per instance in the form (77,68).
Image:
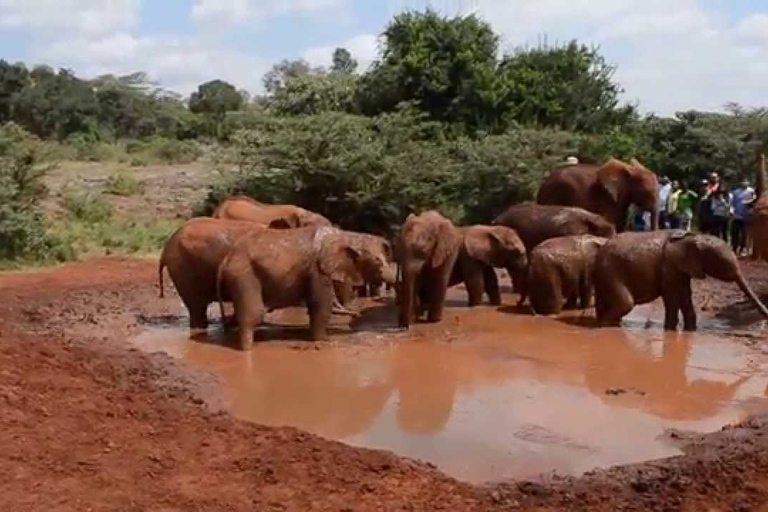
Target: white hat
(572,160)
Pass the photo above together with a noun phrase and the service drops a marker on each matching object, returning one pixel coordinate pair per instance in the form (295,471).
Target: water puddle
(486,394)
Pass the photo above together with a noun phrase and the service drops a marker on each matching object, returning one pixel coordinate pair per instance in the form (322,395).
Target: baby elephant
(482,250)
(638,268)
(561,271)
(273,269)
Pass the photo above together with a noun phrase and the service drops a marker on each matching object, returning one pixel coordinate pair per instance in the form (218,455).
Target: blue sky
(671,54)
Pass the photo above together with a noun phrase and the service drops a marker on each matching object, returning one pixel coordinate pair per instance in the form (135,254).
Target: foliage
(122,184)
(24,233)
(162,150)
(88,207)
(276,78)
(343,62)
(214,99)
(569,87)
(312,94)
(448,66)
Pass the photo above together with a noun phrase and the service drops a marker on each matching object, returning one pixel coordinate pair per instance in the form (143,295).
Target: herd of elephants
(562,251)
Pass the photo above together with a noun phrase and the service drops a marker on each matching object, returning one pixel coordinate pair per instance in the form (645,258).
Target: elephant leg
(520,278)
(585,293)
(423,296)
(614,304)
(671,312)
(491,281)
(474,280)
(437,292)
(374,290)
(689,310)
(248,319)
(198,315)
(320,309)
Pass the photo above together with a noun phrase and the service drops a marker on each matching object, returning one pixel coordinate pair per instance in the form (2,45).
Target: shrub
(24,234)
(122,184)
(162,150)
(87,207)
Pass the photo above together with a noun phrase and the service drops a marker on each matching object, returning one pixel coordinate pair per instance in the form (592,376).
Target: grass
(122,184)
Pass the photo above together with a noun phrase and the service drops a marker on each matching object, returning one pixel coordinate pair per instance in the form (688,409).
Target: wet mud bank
(88,420)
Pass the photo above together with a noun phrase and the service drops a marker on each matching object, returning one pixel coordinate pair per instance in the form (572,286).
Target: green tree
(446,65)
(214,99)
(343,62)
(568,87)
(57,104)
(276,78)
(13,79)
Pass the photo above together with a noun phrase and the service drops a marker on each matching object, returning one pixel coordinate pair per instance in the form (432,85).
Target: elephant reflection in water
(668,392)
(323,391)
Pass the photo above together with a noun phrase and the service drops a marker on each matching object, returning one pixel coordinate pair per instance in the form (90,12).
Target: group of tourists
(717,210)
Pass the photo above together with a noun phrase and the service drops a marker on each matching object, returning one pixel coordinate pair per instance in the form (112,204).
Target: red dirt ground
(87,423)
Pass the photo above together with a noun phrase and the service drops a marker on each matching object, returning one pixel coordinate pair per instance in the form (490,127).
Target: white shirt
(664,191)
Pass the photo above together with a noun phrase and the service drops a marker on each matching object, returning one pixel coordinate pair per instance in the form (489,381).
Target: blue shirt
(740,197)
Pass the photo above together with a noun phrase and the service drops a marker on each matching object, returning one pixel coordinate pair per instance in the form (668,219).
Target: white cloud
(363,47)
(241,11)
(671,55)
(179,63)
(83,16)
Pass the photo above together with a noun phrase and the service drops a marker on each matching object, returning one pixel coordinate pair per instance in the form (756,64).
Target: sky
(671,55)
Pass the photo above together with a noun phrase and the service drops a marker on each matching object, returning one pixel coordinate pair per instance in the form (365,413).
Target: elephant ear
(341,263)
(446,244)
(613,177)
(280,223)
(481,245)
(683,248)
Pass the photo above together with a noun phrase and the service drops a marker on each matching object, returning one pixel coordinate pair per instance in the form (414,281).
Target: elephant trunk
(160,268)
(751,295)
(408,295)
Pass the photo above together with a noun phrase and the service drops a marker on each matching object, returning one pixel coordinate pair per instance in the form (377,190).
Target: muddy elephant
(192,255)
(428,247)
(561,271)
(438,255)
(272,269)
(347,292)
(536,223)
(482,249)
(758,228)
(638,268)
(606,190)
(279,216)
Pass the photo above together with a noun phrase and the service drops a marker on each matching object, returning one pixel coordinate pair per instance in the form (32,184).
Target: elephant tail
(160,269)
(752,296)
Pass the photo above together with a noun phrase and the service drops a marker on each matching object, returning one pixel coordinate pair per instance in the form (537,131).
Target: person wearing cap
(572,160)
(743,197)
(665,188)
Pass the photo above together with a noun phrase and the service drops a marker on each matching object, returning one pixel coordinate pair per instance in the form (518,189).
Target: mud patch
(486,395)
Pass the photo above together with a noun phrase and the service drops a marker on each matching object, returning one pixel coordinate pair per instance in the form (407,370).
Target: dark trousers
(719,227)
(738,235)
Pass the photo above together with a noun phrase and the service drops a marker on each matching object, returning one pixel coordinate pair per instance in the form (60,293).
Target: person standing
(704,216)
(672,213)
(721,211)
(665,188)
(743,197)
(686,201)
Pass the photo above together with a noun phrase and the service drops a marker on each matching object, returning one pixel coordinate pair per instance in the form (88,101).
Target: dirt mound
(88,424)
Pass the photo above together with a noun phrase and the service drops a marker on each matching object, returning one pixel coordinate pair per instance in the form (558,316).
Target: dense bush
(24,234)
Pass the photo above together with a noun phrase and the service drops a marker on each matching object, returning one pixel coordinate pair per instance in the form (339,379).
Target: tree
(13,79)
(276,78)
(215,99)
(343,62)
(57,104)
(569,87)
(446,65)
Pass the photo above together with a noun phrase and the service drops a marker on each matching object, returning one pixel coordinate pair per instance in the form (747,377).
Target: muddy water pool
(489,393)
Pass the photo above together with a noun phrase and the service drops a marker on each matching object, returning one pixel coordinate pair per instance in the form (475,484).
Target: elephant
(279,216)
(192,255)
(346,292)
(438,255)
(535,223)
(271,269)
(758,228)
(428,248)
(637,268)
(562,270)
(606,190)
(482,249)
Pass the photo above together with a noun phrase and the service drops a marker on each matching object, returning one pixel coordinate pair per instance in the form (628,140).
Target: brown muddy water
(489,393)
